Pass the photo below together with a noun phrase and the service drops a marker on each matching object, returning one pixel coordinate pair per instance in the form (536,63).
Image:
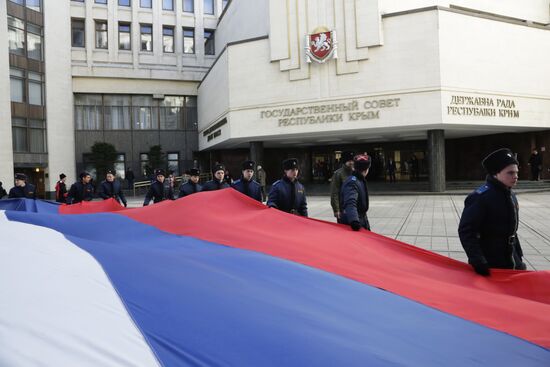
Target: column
(6,151)
(257,152)
(436,159)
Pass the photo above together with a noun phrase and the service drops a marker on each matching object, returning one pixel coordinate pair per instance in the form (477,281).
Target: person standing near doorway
(414,168)
(338,178)
(130,177)
(535,162)
(391,170)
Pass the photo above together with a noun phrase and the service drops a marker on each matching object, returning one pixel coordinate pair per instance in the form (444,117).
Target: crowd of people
(487,230)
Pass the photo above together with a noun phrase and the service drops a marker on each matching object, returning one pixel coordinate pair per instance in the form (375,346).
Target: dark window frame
(99,22)
(209,42)
(128,32)
(141,33)
(83,22)
(192,30)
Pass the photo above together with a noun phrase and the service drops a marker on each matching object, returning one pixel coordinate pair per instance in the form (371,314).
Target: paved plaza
(431,222)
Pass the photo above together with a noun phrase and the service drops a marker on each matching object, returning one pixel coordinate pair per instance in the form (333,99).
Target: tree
(103,157)
(157,159)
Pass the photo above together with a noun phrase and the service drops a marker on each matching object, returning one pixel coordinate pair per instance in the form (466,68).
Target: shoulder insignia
(353,178)
(276,182)
(482,189)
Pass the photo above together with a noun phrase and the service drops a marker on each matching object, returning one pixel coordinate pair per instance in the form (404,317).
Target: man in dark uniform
(246,184)
(61,189)
(22,189)
(287,194)
(337,180)
(490,218)
(112,188)
(218,182)
(160,190)
(81,190)
(2,191)
(354,199)
(192,186)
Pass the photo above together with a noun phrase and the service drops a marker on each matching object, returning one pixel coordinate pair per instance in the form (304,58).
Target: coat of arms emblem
(321,45)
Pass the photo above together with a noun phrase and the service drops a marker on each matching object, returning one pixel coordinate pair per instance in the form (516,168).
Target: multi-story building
(443,81)
(79,72)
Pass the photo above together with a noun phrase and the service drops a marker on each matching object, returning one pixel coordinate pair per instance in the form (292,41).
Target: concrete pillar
(257,152)
(436,159)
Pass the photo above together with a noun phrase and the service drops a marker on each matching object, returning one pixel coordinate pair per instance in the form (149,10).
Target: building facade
(123,72)
(434,85)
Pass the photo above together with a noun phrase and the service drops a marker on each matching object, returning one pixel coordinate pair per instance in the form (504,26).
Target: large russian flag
(217,279)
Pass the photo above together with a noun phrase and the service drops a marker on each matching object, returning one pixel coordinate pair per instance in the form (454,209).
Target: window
(188,6)
(224,3)
(89,164)
(146,37)
(20,2)
(117,112)
(78,1)
(209,42)
(144,163)
(188,41)
(173,163)
(19,132)
(124,2)
(78,34)
(191,119)
(208,6)
(34,42)
(120,166)
(124,36)
(17,85)
(88,112)
(33,4)
(171,113)
(101,34)
(145,114)
(36,88)
(37,136)
(16,35)
(146,3)
(168,39)
(29,138)
(101,1)
(167,4)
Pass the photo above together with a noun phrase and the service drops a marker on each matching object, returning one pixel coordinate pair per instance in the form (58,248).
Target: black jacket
(80,192)
(2,192)
(354,200)
(159,192)
(60,192)
(29,192)
(213,185)
(288,196)
(189,188)
(250,188)
(488,226)
(112,190)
